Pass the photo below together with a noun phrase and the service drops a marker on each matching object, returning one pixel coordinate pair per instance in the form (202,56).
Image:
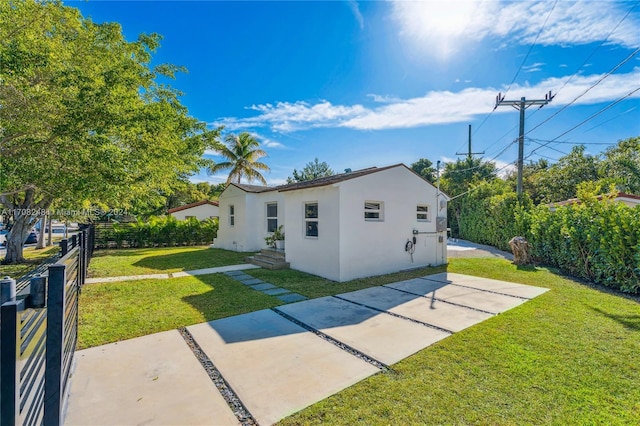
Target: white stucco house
(351,225)
(201,210)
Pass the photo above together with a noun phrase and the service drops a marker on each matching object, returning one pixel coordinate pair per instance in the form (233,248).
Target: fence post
(9,348)
(38,291)
(82,261)
(74,240)
(55,346)
(7,290)
(64,247)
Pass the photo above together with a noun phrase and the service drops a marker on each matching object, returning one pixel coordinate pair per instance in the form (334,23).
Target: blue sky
(361,84)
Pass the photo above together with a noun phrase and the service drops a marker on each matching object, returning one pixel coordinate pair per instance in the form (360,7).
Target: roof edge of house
(196,204)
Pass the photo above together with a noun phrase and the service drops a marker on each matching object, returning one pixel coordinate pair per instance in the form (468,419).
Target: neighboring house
(621,197)
(201,210)
(351,225)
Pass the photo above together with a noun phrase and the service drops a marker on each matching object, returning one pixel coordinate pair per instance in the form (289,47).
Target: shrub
(157,232)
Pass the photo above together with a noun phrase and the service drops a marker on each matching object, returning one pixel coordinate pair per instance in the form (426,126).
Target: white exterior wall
(318,256)
(250,219)
(232,237)
(202,212)
(369,248)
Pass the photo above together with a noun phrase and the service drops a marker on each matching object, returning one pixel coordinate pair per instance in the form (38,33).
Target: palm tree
(242,154)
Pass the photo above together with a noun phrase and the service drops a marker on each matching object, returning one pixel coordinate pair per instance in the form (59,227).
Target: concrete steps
(269,259)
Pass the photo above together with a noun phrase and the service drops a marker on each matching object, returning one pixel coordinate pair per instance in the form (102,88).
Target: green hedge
(491,220)
(156,232)
(596,240)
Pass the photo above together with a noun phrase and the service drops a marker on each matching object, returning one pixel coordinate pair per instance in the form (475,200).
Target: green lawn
(566,357)
(118,311)
(114,263)
(33,259)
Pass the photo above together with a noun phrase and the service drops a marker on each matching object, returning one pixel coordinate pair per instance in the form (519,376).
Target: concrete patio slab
(383,337)
(262,286)
(465,296)
(427,310)
(250,280)
(504,287)
(150,380)
(291,297)
(275,291)
(275,366)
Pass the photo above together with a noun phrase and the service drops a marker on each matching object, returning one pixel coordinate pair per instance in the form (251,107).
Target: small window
(311,219)
(422,213)
(373,211)
(272,217)
(232,215)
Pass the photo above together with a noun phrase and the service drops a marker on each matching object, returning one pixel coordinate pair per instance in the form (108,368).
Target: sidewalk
(180,274)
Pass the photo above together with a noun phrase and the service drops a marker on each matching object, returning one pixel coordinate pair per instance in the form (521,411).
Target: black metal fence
(38,335)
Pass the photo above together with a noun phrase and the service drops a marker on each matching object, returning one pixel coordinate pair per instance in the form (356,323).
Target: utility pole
(521,106)
(469,153)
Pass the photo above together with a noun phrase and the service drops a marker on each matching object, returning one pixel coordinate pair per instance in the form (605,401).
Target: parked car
(32,238)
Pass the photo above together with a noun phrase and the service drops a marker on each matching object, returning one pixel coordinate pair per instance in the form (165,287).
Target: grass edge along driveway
(566,357)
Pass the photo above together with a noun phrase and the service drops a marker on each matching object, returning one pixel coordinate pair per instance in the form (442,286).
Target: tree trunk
(49,234)
(521,251)
(41,241)
(17,236)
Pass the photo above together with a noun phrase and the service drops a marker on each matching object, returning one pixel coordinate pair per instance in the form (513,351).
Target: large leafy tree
(424,167)
(312,170)
(621,164)
(83,119)
(461,177)
(242,153)
(560,181)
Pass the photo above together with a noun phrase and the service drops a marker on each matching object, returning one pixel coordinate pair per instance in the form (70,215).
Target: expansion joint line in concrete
(444,301)
(230,396)
(382,366)
(393,314)
(491,291)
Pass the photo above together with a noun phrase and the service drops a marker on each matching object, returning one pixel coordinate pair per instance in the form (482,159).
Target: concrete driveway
(272,363)
(462,248)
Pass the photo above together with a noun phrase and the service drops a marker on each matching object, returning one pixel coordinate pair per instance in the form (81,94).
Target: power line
(611,105)
(571,142)
(624,61)
(590,55)
(521,65)
(521,106)
(495,173)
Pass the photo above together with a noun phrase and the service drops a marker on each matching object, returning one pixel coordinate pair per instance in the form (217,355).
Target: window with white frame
(232,215)
(311,220)
(422,213)
(272,217)
(373,211)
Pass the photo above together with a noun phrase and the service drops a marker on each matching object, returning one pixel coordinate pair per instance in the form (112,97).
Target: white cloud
(436,107)
(444,28)
(383,99)
(533,67)
(355,9)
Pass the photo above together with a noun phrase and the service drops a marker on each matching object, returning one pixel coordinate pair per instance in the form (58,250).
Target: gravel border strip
(393,314)
(233,401)
(447,302)
(382,366)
